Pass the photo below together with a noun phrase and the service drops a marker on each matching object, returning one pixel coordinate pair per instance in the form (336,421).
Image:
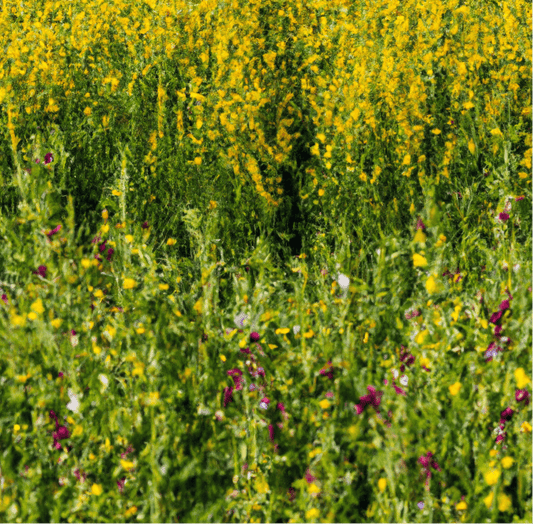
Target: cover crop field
(265,261)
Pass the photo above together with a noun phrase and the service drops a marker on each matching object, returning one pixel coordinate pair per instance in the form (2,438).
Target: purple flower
(497,331)
(420,224)
(499,438)
(48,158)
(145,225)
(236,374)
(61,432)
(254,336)
(228,395)
(41,271)
(95,239)
(503,217)
(271,432)
(103,246)
(373,398)
(506,415)
(504,305)
(292,494)
(327,370)
(522,395)
(398,390)
(310,478)
(427,463)
(110,252)
(281,407)
(420,505)
(495,317)
(120,484)
(4,298)
(517,199)
(50,234)
(264,403)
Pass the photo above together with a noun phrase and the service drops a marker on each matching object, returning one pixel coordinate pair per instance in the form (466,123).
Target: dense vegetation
(265,261)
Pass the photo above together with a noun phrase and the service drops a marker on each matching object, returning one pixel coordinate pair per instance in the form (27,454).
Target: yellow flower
(321,192)
(309,334)
(131,511)
(87,111)
(212,204)
(223,358)
(507,462)
(420,237)
(116,193)
(37,306)
(312,514)
(382,484)
(493,452)
(153,398)
(163,287)
(32,315)
(504,502)
(129,239)
(419,260)
(461,505)
(171,242)
(86,263)
(521,378)
(491,477)
(126,464)
(140,330)
(78,430)
(488,499)
(282,331)
(454,388)
(526,427)
(96,489)
(313,488)
(324,404)
(198,160)
(105,214)
(16,428)
(431,285)
(129,283)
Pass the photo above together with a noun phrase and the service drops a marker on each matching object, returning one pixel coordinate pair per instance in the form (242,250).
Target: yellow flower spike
(86,263)
(491,477)
(431,285)
(419,260)
(37,306)
(504,502)
(454,388)
(420,237)
(507,462)
(313,488)
(105,214)
(488,499)
(522,380)
(32,315)
(525,427)
(129,283)
(311,514)
(382,484)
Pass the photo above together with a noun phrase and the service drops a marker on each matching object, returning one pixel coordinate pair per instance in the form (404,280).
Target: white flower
(240,319)
(378,251)
(395,373)
(74,340)
(74,404)
(203,411)
(263,405)
(103,379)
(296,329)
(163,470)
(404,380)
(516,268)
(343,281)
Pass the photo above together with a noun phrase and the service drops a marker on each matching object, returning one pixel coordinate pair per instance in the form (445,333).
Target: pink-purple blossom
(373,398)
(522,395)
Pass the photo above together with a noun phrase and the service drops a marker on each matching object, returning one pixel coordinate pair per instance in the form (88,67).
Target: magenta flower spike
(271,432)
(48,158)
(506,415)
(61,432)
(495,317)
(420,224)
(503,217)
(41,271)
(504,305)
(309,477)
(51,233)
(236,374)
(110,252)
(254,336)
(373,398)
(4,298)
(228,395)
(145,225)
(522,395)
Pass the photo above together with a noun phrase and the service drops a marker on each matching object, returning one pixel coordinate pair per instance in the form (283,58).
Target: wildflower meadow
(265,261)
